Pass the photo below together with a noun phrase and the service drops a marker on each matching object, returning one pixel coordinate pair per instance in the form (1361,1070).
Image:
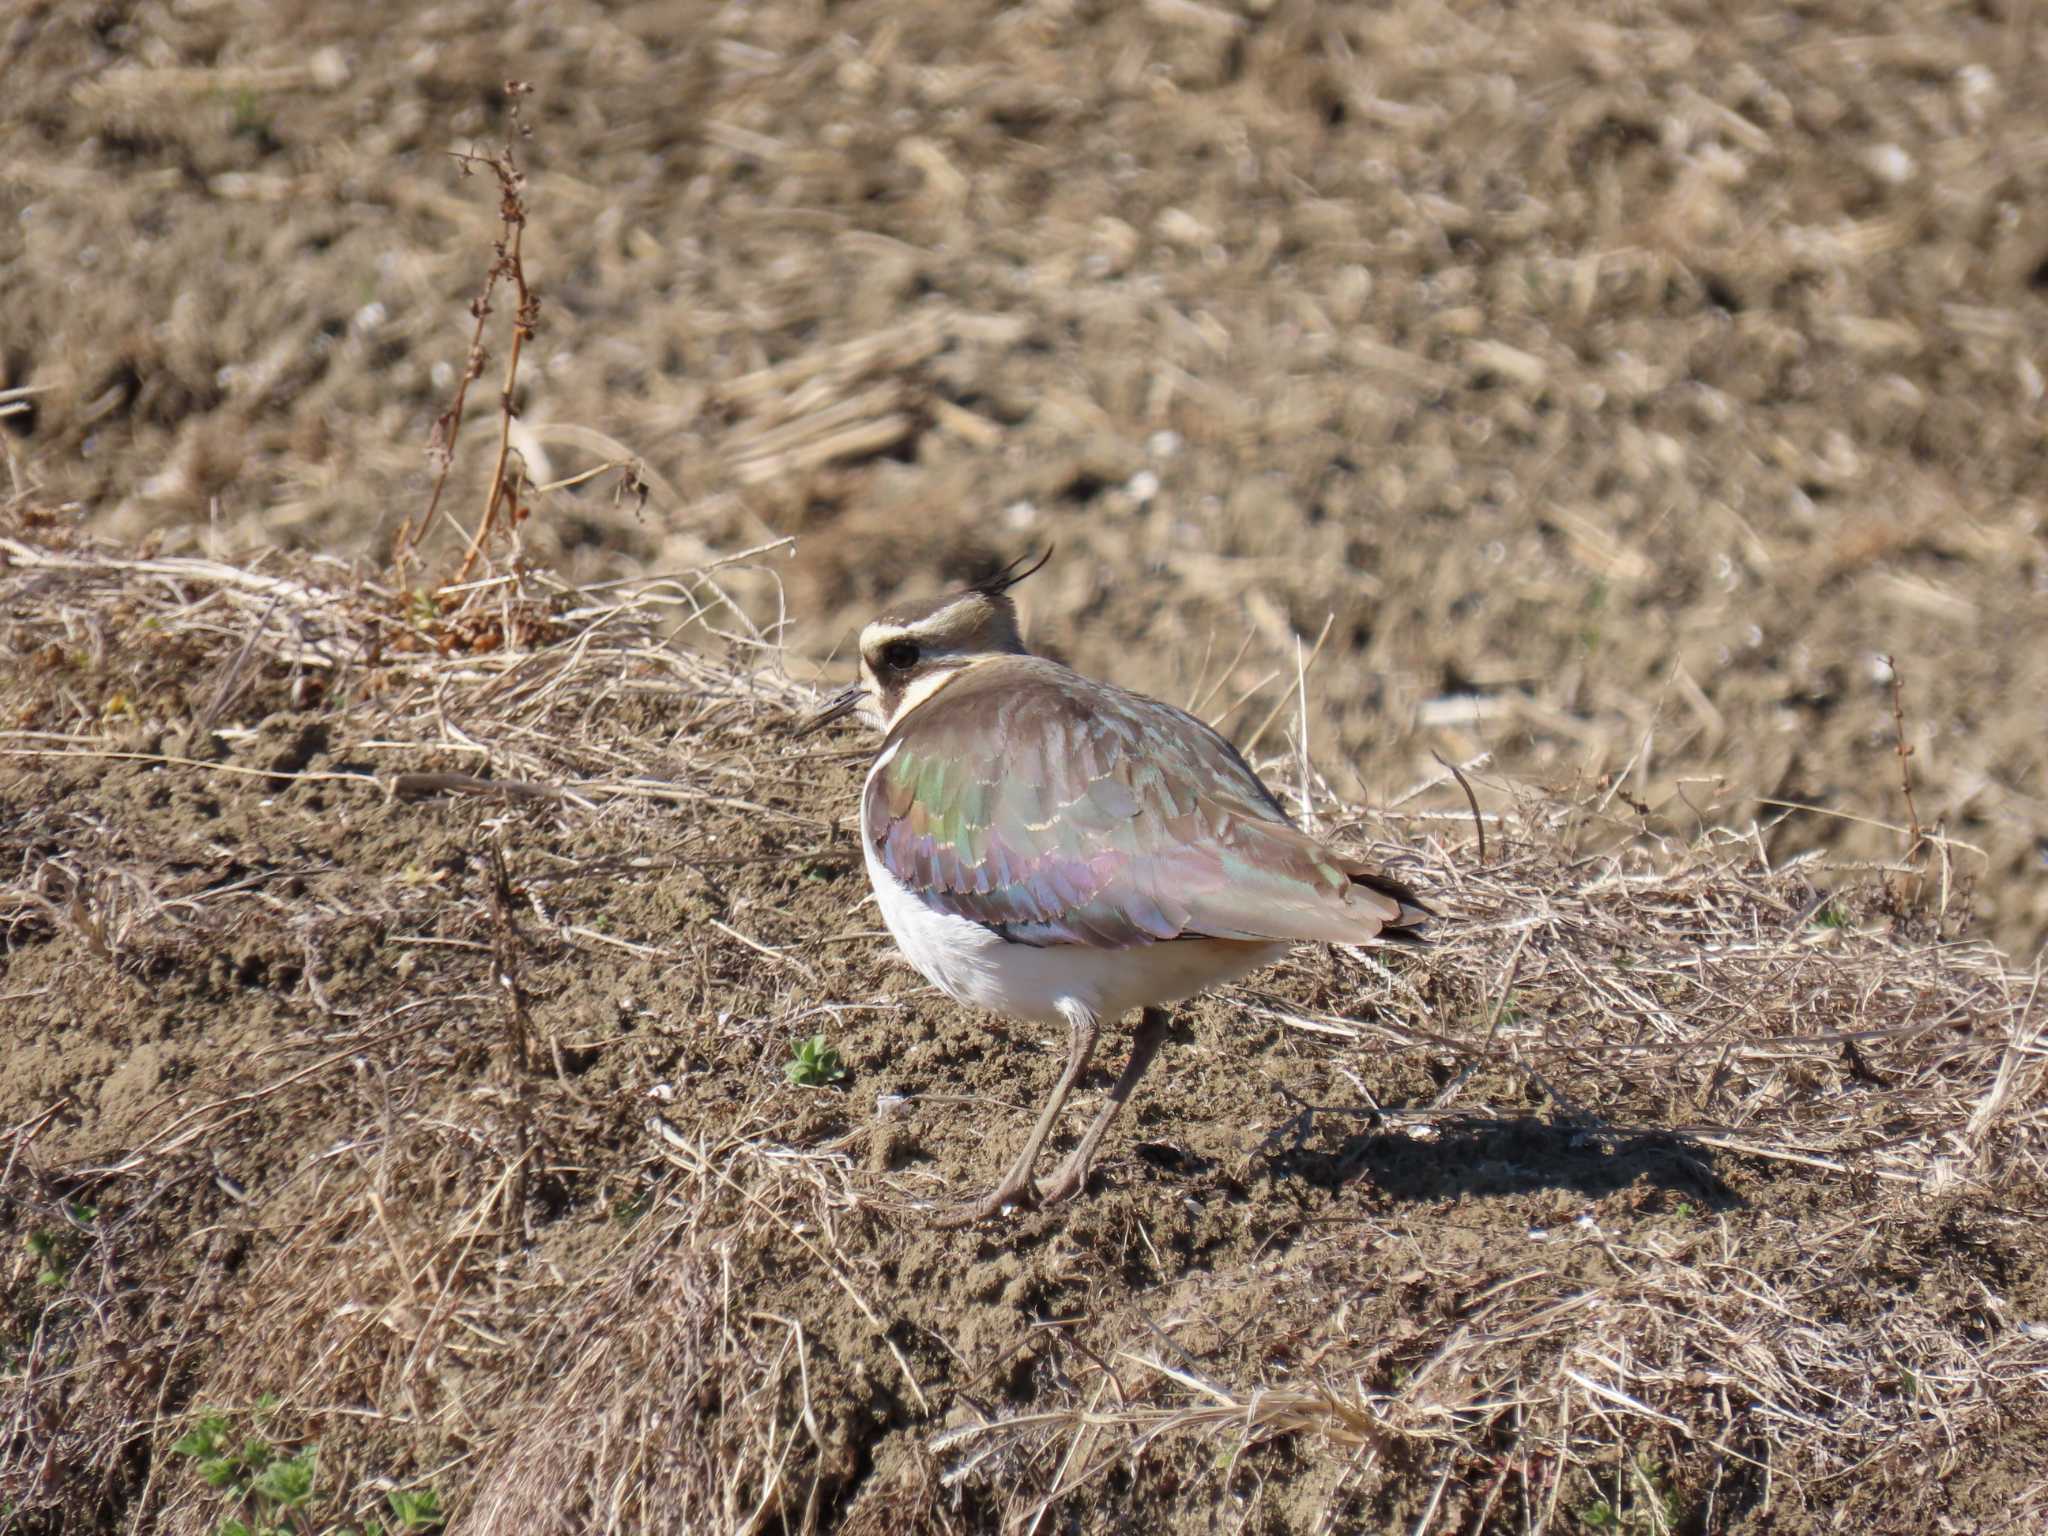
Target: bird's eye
(900,655)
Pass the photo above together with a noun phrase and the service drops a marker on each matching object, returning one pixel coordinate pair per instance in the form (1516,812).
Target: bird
(1055,850)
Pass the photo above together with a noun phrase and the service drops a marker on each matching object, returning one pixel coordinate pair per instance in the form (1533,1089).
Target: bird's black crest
(1005,577)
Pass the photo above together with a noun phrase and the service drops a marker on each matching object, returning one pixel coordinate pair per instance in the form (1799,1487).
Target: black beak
(838,707)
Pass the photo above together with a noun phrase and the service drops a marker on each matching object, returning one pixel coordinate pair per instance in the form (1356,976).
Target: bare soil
(1594,396)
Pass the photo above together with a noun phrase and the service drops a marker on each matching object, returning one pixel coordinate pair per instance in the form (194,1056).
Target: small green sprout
(266,1490)
(815,1065)
(288,1484)
(57,1252)
(52,1265)
(1650,1508)
(205,1437)
(629,1209)
(416,1509)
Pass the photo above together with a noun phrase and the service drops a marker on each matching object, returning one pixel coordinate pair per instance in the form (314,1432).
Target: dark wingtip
(999,581)
(1412,915)
(1411,927)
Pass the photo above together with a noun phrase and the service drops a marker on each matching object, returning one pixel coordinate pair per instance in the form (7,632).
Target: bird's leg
(1145,1043)
(1016,1184)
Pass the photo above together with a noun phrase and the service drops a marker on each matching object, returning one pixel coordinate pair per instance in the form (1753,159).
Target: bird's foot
(970,1212)
(1065,1182)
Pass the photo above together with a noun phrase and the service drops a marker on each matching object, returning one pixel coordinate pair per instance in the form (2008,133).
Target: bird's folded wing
(1057,810)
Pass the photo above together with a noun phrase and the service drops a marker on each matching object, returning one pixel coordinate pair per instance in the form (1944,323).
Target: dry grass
(1662,1179)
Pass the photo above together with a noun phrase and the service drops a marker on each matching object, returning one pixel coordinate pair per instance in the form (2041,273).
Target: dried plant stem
(1904,750)
(507,265)
(519,1030)
(1478,821)
(447,429)
(513,213)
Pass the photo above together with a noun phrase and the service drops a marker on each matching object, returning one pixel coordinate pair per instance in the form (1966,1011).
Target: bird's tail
(1411,914)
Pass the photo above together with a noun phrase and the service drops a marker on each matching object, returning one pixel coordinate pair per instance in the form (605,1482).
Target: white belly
(1020,981)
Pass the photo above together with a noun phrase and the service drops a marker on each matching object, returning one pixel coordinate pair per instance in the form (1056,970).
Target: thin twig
(1478,821)
(1904,750)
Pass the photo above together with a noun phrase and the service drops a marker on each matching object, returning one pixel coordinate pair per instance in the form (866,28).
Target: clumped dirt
(395,1064)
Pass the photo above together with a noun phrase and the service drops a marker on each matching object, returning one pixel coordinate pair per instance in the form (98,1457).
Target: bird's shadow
(1443,1155)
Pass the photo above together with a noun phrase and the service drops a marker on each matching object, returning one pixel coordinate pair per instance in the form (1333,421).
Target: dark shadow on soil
(1450,1157)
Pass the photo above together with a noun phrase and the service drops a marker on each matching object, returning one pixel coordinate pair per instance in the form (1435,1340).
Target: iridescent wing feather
(1058,810)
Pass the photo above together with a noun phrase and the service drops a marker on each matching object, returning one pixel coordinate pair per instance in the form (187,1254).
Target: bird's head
(912,651)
